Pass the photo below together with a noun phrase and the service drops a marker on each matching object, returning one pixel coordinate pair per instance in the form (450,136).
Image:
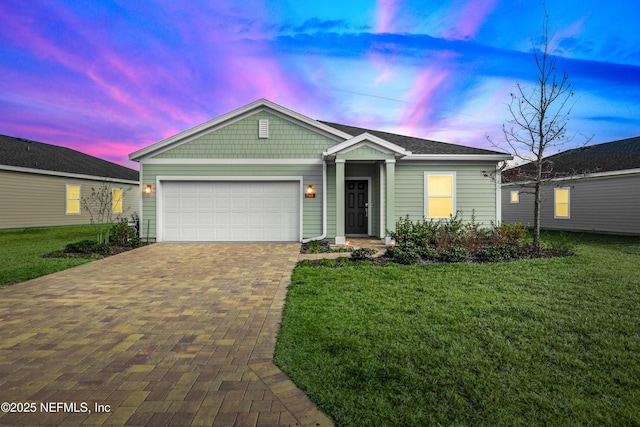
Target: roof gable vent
(263,128)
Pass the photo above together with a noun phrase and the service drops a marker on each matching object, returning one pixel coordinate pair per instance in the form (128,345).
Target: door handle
(366,210)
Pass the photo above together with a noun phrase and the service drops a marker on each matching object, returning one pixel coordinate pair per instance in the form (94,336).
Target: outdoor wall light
(148,189)
(310,192)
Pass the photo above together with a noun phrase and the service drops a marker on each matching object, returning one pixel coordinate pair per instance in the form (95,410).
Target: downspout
(324,205)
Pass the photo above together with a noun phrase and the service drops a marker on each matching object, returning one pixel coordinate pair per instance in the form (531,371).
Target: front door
(356,207)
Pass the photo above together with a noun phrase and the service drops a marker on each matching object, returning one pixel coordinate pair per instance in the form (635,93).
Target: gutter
(324,206)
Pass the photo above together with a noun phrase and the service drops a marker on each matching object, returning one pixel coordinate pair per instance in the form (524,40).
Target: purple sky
(111,77)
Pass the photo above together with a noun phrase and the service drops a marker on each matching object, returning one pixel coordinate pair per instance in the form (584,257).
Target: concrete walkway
(167,334)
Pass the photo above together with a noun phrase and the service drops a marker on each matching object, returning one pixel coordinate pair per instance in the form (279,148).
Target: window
(73,199)
(117,200)
(561,203)
(515,197)
(263,128)
(439,196)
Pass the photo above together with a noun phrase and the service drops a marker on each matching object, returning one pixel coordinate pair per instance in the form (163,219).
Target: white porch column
(390,199)
(340,212)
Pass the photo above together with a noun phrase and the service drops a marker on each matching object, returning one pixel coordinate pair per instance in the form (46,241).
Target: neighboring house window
(439,195)
(117,200)
(73,199)
(515,197)
(263,128)
(561,203)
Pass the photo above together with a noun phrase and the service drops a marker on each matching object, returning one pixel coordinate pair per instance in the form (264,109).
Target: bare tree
(100,206)
(539,119)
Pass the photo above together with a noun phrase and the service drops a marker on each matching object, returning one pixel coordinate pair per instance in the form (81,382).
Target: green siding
(474,192)
(312,174)
(239,140)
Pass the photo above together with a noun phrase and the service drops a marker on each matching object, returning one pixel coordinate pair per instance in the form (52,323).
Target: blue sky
(110,77)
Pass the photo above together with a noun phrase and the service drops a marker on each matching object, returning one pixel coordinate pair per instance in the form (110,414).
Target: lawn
(536,342)
(21,251)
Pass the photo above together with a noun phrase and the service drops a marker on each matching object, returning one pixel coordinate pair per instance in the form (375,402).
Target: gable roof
(611,156)
(414,148)
(413,144)
(32,156)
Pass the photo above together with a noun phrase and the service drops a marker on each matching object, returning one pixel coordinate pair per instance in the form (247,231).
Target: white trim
(361,178)
(555,203)
(231,162)
(162,178)
(66,174)
(426,192)
(66,199)
(579,177)
(381,172)
(498,191)
(228,118)
(465,157)
(345,145)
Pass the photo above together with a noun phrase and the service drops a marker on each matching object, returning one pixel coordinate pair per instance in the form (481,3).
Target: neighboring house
(42,184)
(266,173)
(594,188)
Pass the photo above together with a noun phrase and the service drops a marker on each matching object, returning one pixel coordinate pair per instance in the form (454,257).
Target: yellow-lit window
(117,200)
(73,199)
(561,203)
(515,197)
(439,195)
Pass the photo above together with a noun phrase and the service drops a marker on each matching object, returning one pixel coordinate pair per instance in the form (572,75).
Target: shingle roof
(606,157)
(19,152)
(415,145)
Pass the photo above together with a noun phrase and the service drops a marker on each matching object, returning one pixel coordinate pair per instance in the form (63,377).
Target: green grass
(21,251)
(538,342)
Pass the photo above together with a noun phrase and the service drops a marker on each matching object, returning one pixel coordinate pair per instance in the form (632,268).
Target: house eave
(66,174)
(465,157)
(366,137)
(609,174)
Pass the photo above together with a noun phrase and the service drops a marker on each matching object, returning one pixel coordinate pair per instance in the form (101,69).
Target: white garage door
(230,211)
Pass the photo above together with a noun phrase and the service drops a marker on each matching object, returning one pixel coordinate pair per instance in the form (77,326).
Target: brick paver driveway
(168,334)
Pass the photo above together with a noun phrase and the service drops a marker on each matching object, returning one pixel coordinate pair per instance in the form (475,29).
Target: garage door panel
(231,211)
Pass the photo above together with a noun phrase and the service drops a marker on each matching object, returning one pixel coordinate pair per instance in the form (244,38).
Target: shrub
(510,233)
(428,253)
(405,253)
(324,262)
(306,263)
(454,254)
(121,234)
(363,254)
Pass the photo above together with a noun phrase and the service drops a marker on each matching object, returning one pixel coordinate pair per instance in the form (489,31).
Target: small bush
(428,253)
(405,253)
(363,254)
(121,234)
(306,263)
(324,262)
(510,233)
(454,254)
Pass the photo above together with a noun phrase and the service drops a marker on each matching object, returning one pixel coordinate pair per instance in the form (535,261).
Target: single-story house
(595,188)
(42,184)
(267,173)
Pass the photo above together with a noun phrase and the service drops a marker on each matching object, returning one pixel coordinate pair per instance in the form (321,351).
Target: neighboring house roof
(612,156)
(20,153)
(413,144)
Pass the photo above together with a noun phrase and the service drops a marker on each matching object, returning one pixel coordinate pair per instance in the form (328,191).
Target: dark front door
(356,207)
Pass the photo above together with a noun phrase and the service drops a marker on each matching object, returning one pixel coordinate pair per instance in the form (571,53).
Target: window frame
(114,200)
(426,195)
(67,199)
(555,203)
(515,199)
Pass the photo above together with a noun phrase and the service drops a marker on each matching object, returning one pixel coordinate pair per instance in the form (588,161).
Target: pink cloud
(386,11)
(468,16)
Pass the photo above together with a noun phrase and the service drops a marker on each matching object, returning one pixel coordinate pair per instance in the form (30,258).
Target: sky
(110,77)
